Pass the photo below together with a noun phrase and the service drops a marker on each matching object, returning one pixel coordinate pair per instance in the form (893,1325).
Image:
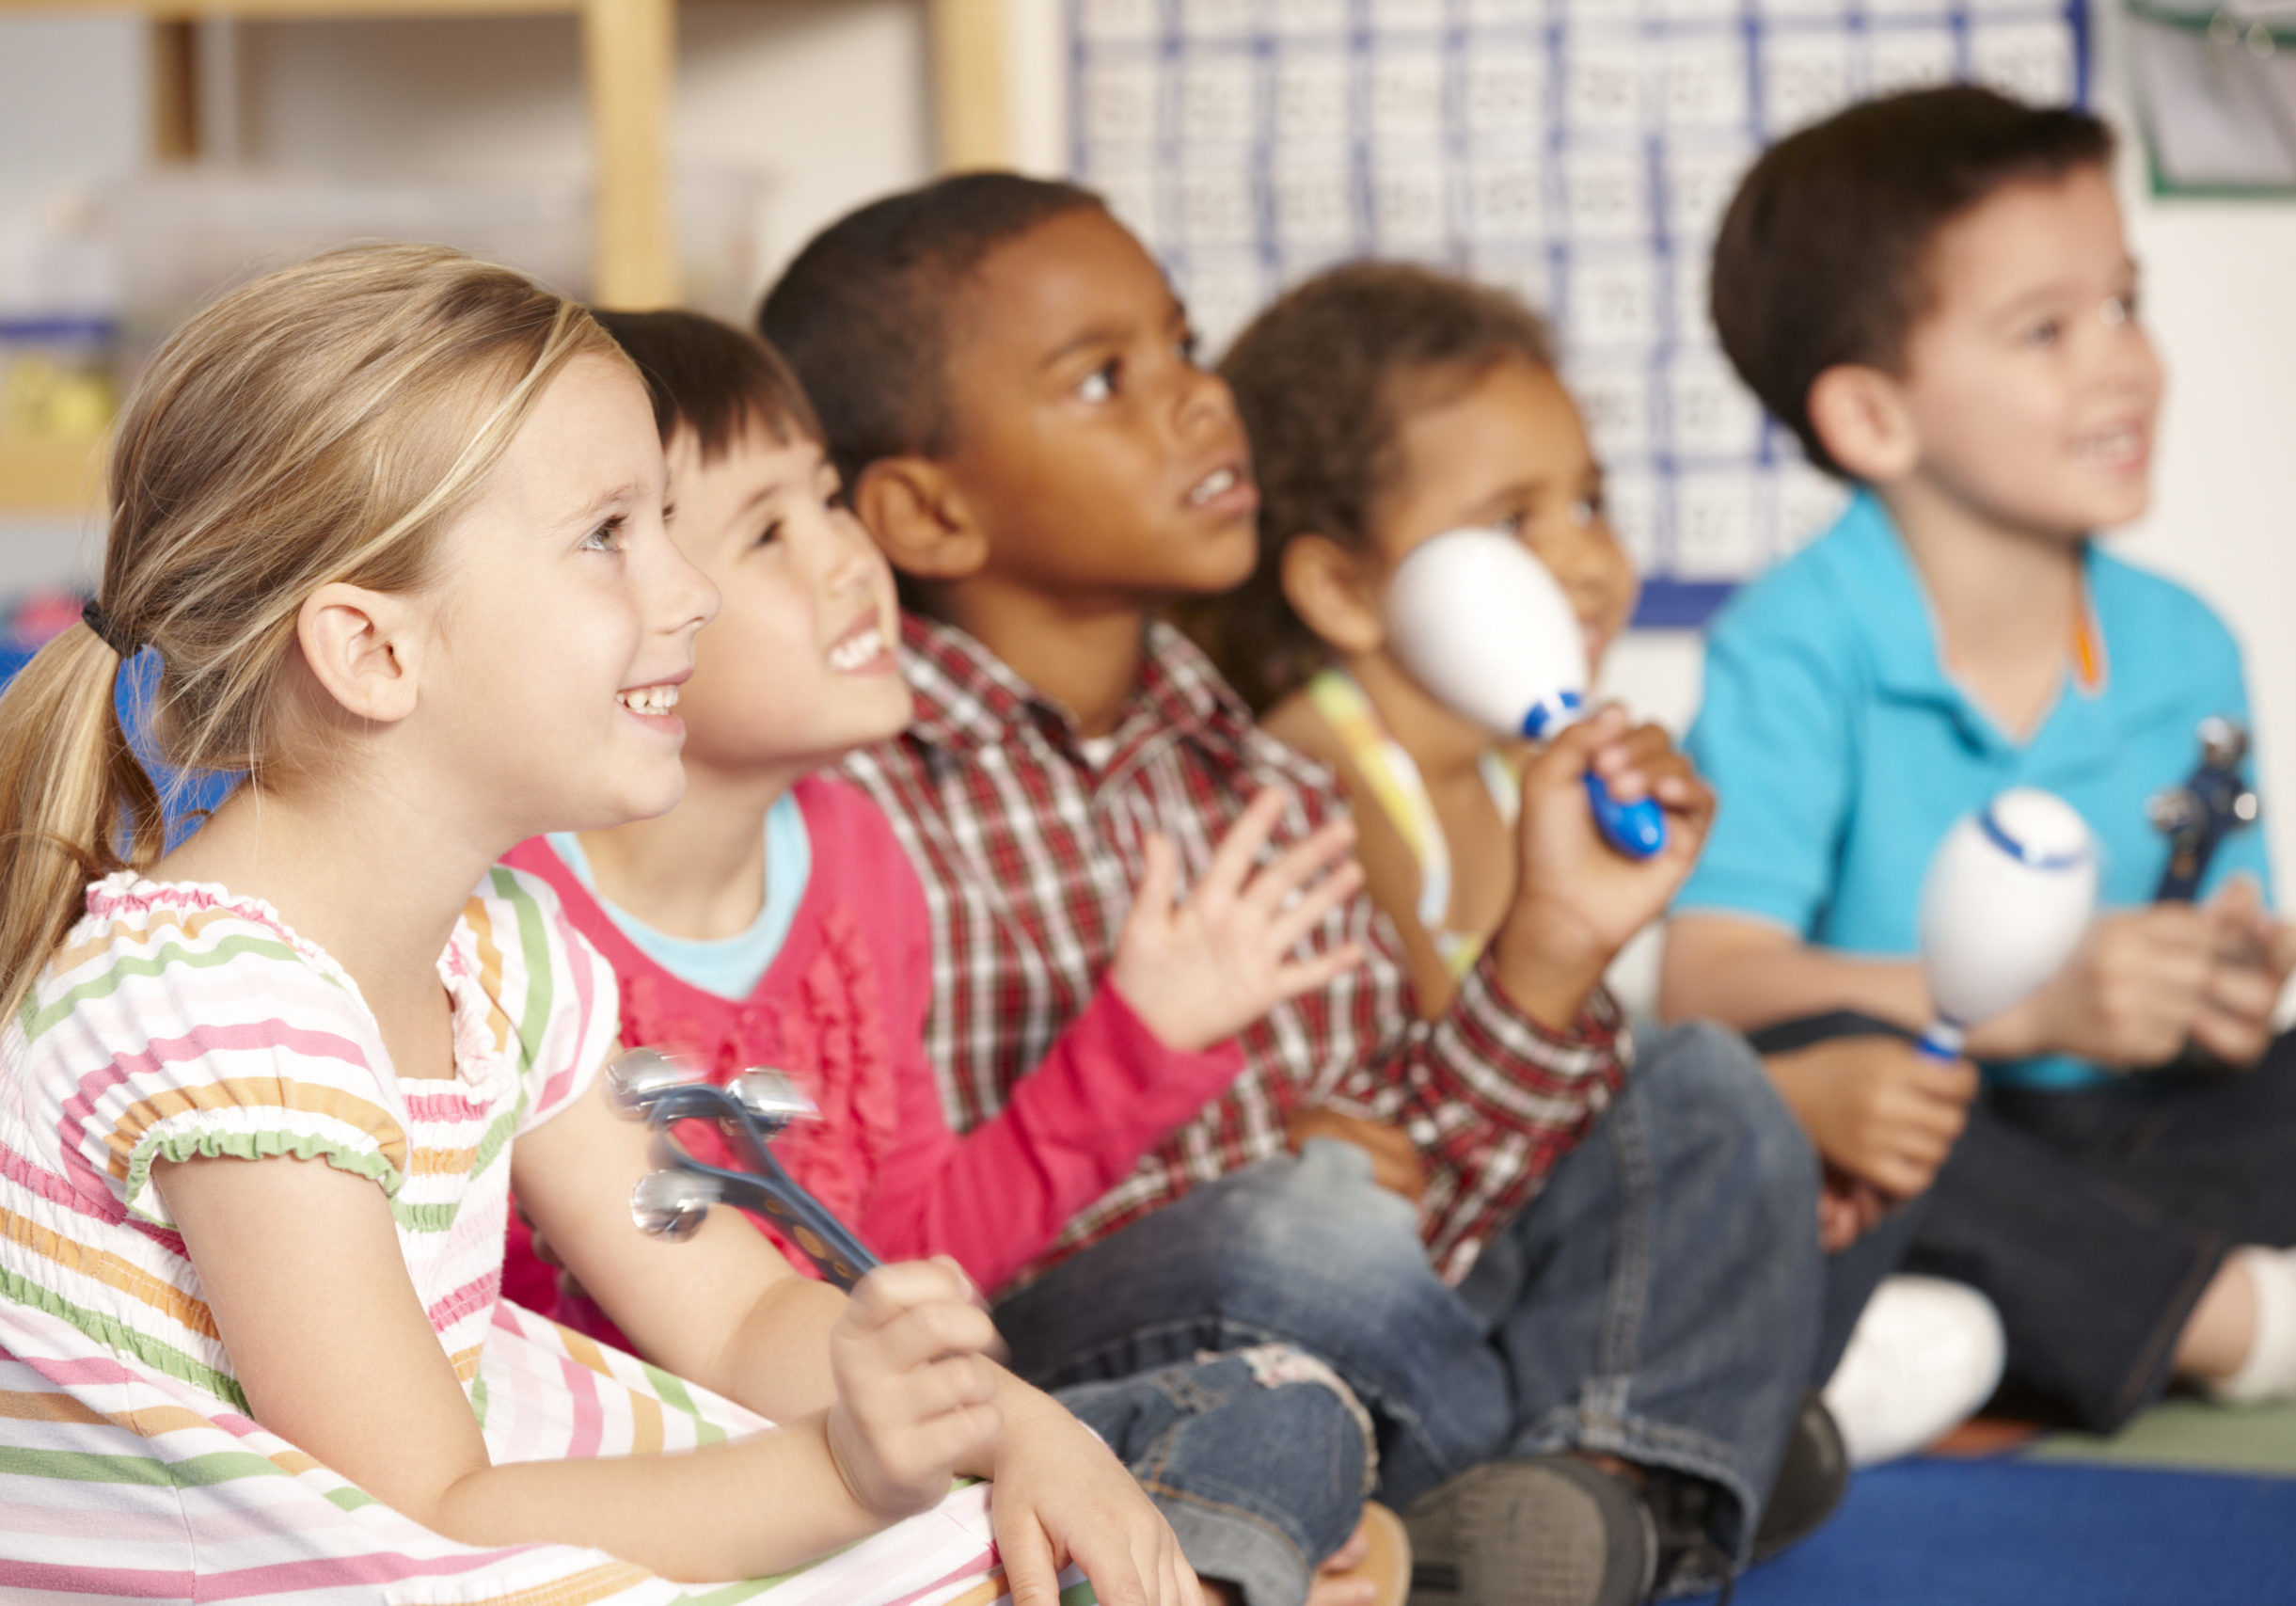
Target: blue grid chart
(1580,152)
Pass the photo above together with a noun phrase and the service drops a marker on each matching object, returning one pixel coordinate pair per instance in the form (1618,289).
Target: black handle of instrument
(765,1189)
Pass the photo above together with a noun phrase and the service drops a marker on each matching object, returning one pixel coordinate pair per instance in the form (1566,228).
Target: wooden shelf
(629,52)
(39,476)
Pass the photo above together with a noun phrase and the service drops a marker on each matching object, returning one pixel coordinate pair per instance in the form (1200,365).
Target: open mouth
(2117,447)
(653,701)
(1217,484)
(857,648)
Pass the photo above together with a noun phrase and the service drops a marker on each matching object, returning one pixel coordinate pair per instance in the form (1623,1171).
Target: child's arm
(1141,1060)
(2129,997)
(301,1268)
(1577,900)
(898,1369)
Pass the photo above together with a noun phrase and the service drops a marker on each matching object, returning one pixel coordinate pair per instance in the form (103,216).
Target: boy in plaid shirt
(1592,1349)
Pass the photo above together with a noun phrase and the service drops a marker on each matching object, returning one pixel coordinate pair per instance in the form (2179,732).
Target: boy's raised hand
(1198,970)
(1578,900)
(1876,1109)
(916,1392)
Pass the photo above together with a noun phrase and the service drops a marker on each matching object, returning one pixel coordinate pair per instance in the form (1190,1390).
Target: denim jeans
(1258,1465)
(1659,1300)
(2093,1217)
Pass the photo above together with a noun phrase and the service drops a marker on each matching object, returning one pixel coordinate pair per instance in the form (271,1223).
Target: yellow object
(42,396)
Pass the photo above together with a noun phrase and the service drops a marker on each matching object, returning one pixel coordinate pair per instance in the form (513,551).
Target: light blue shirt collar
(731,968)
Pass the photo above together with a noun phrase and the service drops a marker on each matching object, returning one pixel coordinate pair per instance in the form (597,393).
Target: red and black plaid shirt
(1029,852)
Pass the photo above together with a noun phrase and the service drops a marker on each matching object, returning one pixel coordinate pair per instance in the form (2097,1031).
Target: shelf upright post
(629,52)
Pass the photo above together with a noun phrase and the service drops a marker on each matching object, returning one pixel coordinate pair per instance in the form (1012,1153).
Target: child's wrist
(1547,972)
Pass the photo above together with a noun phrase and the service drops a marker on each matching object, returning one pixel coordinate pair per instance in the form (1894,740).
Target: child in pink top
(772,918)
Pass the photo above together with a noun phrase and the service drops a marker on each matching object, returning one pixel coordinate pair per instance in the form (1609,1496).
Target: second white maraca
(2006,901)
(1478,620)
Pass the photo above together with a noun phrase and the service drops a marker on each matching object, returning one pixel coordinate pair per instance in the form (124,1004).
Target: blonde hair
(319,424)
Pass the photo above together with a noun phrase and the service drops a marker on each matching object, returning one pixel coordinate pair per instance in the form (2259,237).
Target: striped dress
(179,1021)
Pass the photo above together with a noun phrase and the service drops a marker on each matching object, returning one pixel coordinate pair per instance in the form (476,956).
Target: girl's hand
(1199,970)
(1061,1497)
(1578,900)
(916,1393)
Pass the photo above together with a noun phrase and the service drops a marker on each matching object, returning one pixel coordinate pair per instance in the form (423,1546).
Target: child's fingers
(1300,864)
(1289,926)
(891,1290)
(1158,885)
(925,1333)
(1232,860)
(1029,1572)
(1307,975)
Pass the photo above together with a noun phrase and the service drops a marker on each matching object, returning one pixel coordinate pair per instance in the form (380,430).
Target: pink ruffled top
(841,1010)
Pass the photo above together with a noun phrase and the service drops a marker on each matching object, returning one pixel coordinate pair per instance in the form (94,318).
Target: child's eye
(669,513)
(2119,309)
(770,534)
(2043,334)
(607,537)
(1100,384)
(1190,348)
(1587,510)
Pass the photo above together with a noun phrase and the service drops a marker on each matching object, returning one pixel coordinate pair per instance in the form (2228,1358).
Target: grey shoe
(1545,1531)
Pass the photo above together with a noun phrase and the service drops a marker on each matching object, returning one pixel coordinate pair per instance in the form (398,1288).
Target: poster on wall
(1579,152)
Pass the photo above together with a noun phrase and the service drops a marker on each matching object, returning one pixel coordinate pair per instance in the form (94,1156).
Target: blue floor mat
(2013,1532)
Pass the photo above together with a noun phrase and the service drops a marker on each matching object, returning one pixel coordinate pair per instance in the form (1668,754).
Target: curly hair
(1326,379)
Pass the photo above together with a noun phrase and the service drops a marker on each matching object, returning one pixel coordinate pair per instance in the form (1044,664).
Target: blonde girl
(392,523)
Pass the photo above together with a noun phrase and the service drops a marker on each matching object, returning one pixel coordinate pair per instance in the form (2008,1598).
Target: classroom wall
(828,98)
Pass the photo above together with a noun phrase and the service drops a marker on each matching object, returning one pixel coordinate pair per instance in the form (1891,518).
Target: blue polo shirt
(1842,753)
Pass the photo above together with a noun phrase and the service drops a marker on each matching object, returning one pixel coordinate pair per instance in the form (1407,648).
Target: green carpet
(2191,1434)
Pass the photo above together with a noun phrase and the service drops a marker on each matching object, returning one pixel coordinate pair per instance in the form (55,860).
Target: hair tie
(120,641)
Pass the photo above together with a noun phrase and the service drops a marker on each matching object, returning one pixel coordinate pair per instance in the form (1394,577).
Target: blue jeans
(1260,1471)
(1659,1301)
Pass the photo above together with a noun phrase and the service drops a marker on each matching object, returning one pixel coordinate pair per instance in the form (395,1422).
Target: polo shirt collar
(1878,570)
(968,698)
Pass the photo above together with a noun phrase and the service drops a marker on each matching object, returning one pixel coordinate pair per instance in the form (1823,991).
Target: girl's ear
(1330,589)
(919,519)
(360,647)
(1859,415)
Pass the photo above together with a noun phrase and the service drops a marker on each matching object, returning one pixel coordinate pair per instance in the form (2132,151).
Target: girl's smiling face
(565,621)
(801,667)
(1508,450)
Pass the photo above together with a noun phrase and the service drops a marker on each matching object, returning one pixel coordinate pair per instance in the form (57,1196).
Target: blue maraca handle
(1637,828)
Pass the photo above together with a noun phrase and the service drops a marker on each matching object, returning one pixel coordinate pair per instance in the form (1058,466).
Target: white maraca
(2006,901)
(1476,618)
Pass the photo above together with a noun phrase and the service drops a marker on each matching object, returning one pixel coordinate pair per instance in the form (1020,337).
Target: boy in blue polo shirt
(1933,291)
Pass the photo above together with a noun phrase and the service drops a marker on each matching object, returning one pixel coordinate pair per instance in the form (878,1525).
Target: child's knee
(1706,1088)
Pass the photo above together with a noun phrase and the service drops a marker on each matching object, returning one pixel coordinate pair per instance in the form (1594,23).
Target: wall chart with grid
(1578,150)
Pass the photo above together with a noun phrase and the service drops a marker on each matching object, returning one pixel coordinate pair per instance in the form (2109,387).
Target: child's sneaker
(1543,1530)
(1926,1356)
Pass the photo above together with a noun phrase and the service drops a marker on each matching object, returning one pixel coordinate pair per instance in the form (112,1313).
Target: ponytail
(321,423)
(78,803)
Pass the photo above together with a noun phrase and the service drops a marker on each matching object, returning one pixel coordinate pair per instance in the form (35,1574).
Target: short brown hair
(863,313)
(1823,254)
(712,378)
(1324,380)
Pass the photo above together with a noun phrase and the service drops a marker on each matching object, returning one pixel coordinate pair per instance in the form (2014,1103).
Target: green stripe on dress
(116,1335)
(534,947)
(37,1019)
